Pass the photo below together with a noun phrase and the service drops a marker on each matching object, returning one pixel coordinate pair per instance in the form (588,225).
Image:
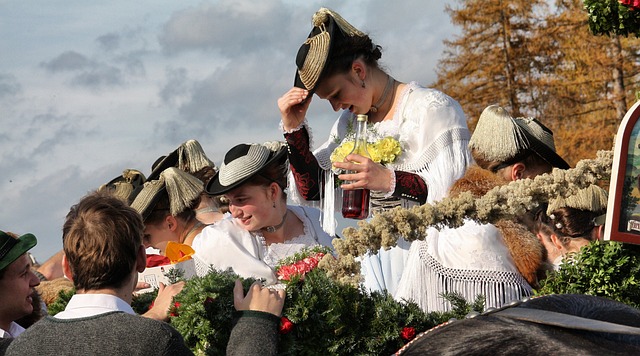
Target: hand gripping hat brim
(329,28)
(241,163)
(11,248)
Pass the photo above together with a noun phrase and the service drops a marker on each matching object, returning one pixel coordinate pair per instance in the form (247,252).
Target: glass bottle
(355,203)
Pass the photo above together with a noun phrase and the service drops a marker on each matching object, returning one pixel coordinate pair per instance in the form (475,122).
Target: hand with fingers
(367,174)
(258,298)
(293,107)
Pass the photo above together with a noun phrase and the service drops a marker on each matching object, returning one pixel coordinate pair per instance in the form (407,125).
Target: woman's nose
(235,212)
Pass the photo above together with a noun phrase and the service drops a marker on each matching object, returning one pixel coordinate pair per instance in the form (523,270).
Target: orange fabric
(177,252)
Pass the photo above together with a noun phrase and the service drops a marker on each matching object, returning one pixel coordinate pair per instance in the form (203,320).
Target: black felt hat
(243,162)
(328,29)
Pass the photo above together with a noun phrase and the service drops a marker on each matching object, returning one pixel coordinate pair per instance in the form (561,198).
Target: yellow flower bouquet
(383,151)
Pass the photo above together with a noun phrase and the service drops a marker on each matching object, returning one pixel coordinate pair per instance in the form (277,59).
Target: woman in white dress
(263,229)
(339,64)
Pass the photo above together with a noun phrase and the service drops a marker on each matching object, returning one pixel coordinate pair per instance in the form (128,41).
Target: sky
(88,88)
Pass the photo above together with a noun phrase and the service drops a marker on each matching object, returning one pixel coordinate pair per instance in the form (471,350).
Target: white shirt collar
(14,331)
(85,305)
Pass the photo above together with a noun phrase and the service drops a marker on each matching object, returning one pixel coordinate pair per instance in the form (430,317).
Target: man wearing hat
(16,281)
(500,261)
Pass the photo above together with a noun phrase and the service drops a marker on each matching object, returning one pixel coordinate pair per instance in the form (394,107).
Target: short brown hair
(101,238)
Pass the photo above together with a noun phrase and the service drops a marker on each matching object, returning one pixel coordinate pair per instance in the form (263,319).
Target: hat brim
(150,206)
(546,153)
(335,35)
(170,160)
(24,243)
(215,188)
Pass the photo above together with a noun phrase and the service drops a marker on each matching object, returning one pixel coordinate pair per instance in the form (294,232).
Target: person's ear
(598,233)
(141,259)
(273,190)
(517,171)
(556,242)
(171,222)
(359,68)
(66,269)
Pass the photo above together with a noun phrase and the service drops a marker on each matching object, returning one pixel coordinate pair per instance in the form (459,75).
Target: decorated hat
(189,157)
(501,138)
(328,28)
(593,198)
(125,185)
(243,162)
(180,187)
(11,248)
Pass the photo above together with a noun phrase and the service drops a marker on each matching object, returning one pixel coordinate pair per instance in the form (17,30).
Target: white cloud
(84,99)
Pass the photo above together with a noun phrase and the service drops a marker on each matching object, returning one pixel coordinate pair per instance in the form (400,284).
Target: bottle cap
(362,117)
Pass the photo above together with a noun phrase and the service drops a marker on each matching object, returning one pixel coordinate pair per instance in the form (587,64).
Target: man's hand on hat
(293,107)
(369,174)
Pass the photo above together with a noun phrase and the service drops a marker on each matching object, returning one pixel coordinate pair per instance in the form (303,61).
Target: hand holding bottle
(363,174)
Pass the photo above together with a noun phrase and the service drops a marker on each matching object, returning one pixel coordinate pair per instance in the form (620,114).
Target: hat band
(517,158)
(316,58)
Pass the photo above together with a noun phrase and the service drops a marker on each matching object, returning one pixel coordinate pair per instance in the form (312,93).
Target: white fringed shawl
(471,260)
(432,129)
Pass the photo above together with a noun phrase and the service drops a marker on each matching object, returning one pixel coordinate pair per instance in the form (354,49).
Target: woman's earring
(363,85)
(274,204)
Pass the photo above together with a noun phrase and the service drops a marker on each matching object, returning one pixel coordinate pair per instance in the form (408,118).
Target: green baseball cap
(12,248)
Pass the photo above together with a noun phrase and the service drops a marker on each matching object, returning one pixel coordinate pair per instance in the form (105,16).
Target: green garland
(606,269)
(328,317)
(611,18)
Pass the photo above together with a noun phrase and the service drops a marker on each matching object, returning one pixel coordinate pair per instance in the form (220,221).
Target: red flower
(285,325)
(408,333)
(299,268)
(174,309)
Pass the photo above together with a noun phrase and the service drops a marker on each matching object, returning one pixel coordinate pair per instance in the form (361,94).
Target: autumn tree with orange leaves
(542,61)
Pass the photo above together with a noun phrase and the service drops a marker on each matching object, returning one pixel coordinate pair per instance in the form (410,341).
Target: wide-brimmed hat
(498,137)
(180,187)
(243,162)
(124,186)
(189,157)
(12,248)
(328,29)
(593,198)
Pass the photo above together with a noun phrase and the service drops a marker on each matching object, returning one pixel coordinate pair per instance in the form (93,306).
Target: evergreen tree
(542,61)
(491,62)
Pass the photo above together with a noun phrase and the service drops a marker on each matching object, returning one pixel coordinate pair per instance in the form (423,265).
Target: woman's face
(157,235)
(345,92)
(252,207)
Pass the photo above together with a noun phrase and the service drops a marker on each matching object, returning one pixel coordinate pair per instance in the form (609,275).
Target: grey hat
(180,187)
(243,162)
(593,198)
(126,185)
(189,157)
(501,138)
